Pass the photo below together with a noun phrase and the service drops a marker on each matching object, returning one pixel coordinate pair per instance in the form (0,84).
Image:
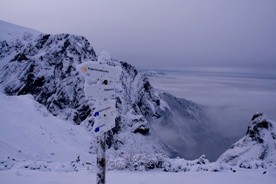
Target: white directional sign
(96,71)
(101,83)
(104,116)
(100,90)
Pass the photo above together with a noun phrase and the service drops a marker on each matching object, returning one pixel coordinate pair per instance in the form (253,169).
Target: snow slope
(10,31)
(29,132)
(119,177)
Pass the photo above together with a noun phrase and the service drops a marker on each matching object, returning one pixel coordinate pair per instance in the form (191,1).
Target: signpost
(105,115)
(100,84)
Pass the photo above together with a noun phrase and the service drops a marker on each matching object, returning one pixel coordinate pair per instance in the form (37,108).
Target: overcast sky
(160,33)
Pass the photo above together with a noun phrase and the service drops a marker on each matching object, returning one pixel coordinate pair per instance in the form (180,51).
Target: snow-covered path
(15,176)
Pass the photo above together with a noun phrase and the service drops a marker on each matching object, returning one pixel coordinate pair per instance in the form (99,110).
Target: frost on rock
(257,148)
(45,68)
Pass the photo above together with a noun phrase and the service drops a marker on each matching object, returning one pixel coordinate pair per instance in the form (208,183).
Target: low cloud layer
(231,96)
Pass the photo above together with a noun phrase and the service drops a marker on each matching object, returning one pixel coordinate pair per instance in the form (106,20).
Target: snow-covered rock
(257,148)
(44,66)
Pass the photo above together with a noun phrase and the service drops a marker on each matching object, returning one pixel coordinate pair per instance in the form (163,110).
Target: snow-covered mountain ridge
(44,66)
(151,123)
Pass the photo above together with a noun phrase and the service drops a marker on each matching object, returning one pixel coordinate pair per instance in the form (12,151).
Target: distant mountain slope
(44,66)
(10,31)
(256,147)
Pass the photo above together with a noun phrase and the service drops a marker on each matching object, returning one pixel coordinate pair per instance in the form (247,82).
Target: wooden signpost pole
(101,160)
(100,85)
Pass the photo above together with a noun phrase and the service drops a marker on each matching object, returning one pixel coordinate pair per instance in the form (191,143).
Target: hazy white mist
(231,95)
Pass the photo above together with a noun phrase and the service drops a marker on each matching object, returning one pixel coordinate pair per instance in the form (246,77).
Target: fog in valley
(230,95)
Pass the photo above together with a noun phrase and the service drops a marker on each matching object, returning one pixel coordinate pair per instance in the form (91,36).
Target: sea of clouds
(231,95)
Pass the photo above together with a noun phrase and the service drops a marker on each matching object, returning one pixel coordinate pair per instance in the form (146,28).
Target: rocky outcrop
(46,68)
(257,147)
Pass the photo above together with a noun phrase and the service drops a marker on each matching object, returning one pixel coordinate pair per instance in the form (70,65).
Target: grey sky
(160,33)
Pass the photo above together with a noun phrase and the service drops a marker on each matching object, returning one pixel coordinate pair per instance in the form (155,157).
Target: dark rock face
(142,130)
(258,123)
(256,116)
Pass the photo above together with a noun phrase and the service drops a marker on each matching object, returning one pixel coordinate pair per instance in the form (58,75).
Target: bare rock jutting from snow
(257,148)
